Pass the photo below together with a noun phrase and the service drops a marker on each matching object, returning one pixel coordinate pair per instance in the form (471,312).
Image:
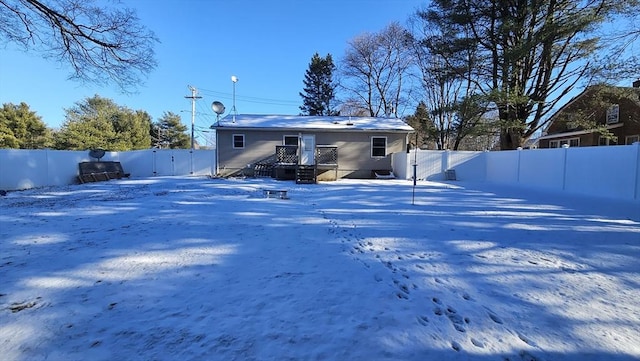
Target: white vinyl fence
(612,172)
(23,169)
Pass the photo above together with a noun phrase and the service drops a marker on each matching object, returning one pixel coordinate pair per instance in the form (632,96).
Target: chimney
(636,84)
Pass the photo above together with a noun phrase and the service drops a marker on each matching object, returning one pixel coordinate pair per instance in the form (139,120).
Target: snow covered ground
(209,269)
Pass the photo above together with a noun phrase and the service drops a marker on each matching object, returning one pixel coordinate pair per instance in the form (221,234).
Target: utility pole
(193,98)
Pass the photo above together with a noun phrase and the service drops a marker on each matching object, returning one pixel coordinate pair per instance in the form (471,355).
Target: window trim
(233,141)
(604,142)
(613,114)
(372,147)
(576,140)
(630,139)
(559,143)
(284,140)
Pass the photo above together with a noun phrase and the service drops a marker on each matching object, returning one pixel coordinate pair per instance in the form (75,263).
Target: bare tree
(447,92)
(619,58)
(101,44)
(374,70)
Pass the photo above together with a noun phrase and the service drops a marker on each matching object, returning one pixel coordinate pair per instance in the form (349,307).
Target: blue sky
(267,44)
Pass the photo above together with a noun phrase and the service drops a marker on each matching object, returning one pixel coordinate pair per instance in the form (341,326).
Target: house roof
(302,122)
(585,91)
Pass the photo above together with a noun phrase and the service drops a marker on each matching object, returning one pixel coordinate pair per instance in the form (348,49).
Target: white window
(574,142)
(606,141)
(238,141)
(630,139)
(613,114)
(378,147)
(290,140)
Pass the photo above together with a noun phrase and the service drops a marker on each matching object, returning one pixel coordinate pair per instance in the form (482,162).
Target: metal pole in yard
(415,173)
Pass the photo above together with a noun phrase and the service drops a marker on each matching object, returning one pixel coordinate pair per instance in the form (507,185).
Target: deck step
(306,174)
(263,170)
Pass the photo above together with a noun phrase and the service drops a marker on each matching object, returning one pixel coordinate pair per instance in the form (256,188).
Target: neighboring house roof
(307,123)
(583,93)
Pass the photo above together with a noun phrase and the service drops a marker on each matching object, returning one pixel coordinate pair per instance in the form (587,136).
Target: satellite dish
(217,107)
(96,153)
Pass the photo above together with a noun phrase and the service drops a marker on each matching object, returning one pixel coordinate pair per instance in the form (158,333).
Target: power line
(251,99)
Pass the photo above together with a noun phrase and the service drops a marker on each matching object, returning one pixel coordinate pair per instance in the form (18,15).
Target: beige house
(308,148)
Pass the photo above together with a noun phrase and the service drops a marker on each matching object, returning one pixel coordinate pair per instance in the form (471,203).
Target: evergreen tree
(100,123)
(319,87)
(169,132)
(22,128)
(7,139)
(426,131)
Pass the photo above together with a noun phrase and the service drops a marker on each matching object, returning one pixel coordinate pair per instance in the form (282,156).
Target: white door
(307,149)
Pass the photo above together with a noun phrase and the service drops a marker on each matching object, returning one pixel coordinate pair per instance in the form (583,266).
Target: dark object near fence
(100,171)
(450,174)
(382,174)
(96,153)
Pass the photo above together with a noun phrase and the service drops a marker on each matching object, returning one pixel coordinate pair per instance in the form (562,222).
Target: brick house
(616,109)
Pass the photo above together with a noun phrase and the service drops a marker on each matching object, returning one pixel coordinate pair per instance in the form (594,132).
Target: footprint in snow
(457,321)
(390,266)
(495,318)
(455,346)
(526,340)
(403,287)
(477,343)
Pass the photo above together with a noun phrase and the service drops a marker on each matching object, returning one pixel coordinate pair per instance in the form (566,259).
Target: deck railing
(325,154)
(287,154)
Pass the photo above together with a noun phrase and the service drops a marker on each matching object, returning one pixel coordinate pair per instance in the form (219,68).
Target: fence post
(636,183)
(445,162)
(191,160)
(153,163)
(46,162)
(519,165)
(565,147)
